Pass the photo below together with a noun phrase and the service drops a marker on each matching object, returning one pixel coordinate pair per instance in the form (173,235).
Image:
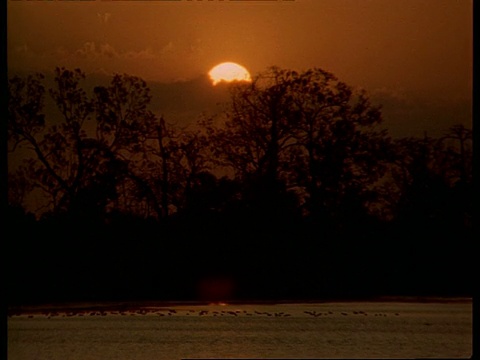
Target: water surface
(327,330)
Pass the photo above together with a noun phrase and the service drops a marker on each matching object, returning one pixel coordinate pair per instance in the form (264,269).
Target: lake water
(326,330)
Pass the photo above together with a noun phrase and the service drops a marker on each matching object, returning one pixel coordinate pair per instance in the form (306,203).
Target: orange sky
(394,46)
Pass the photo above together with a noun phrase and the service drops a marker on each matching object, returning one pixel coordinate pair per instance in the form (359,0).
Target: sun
(228,72)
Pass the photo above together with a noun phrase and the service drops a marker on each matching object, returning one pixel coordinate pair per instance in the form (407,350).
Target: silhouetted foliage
(306,134)
(67,162)
(296,194)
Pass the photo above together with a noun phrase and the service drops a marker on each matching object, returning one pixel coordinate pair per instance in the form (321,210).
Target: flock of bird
(173,312)
(317,314)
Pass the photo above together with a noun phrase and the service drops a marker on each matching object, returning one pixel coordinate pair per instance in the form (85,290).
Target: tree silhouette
(80,172)
(257,130)
(25,106)
(61,156)
(339,151)
(167,170)
(428,172)
(306,133)
(458,143)
(299,173)
(432,210)
(124,125)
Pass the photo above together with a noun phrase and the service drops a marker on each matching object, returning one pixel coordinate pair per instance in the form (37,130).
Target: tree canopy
(299,172)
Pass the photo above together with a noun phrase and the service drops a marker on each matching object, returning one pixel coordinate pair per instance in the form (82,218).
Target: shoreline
(104,306)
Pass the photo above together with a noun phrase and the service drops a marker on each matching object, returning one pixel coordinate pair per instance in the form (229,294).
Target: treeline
(295,192)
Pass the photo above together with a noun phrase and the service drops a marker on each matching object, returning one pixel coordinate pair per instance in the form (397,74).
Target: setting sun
(228,72)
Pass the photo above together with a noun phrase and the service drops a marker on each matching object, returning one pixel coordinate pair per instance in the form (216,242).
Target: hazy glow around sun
(228,72)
